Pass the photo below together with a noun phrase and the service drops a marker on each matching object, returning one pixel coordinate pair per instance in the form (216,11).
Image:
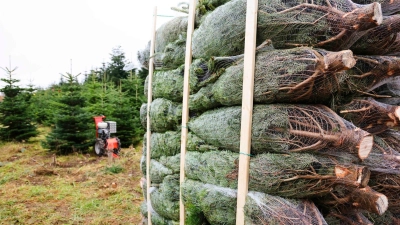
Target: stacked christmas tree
(324,133)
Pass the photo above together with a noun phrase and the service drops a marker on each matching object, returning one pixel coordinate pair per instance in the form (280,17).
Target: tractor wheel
(99,147)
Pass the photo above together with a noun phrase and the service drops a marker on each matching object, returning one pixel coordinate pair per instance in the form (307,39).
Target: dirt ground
(40,187)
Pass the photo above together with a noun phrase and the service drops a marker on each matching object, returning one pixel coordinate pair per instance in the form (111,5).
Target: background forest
(69,106)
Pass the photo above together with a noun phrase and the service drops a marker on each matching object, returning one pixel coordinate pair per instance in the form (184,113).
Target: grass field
(76,189)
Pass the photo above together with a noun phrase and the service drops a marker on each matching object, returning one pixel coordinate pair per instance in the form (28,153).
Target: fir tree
(115,69)
(134,91)
(15,116)
(125,118)
(100,96)
(72,131)
(44,104)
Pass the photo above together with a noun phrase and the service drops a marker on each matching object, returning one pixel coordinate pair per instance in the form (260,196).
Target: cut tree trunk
(370,200)
(370,115)
(360,198)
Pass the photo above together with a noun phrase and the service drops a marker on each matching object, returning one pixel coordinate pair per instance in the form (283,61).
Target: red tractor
(104,143)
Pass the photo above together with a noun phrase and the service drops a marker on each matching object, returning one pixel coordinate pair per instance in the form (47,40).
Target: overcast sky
(42,36)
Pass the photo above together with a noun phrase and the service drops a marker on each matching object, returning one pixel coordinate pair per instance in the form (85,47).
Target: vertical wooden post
(149,100)
(185,103)
(247,108)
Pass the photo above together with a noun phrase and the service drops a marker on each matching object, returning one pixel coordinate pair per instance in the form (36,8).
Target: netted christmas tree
(324,128)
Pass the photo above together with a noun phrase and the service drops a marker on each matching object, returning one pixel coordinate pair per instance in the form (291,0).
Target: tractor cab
(104,142)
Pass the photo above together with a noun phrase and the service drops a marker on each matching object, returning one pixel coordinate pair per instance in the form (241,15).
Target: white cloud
(42,36)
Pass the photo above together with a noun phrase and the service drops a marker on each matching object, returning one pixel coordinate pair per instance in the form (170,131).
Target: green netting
(280,128)
(163,144)
(143,56)
(174,53)
(165,199)
(221,33)
(171,33)
(204,7)
(143,115)
(164,115)
(172,162)
(169,84)
(168,33)
(169,144)
(212,167)
(157,170)
(218,206)
(156,219)
(202,100)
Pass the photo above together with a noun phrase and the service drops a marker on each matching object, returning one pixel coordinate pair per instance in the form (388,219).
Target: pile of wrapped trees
(325,140)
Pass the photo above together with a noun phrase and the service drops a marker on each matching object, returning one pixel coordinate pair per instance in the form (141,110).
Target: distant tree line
(69,107)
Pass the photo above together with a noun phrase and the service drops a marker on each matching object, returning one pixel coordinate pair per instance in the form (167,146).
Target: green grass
(114,169)
(77,191)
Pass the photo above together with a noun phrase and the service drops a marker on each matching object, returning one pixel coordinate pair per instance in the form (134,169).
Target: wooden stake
(149,100)
(247,107)
(185,103)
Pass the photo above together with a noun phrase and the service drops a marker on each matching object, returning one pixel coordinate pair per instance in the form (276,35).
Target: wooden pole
(185,103)
(149,100)
(247,108)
